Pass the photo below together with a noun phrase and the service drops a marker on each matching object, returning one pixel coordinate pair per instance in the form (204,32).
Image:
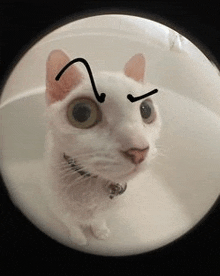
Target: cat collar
(114,189)
(75,166)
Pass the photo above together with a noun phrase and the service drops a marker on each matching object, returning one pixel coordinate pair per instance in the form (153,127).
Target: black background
(24,250)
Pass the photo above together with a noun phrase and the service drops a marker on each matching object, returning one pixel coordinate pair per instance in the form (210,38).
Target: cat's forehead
(117,86)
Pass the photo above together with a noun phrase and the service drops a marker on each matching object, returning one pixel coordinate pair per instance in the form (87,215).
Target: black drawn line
(100,98)
(134,99)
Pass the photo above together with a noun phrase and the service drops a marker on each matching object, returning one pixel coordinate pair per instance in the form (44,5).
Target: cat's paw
(79,241)
(101,232)
(78,238)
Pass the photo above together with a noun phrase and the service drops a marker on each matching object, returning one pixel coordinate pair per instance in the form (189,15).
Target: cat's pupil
(145,110)
(81,112)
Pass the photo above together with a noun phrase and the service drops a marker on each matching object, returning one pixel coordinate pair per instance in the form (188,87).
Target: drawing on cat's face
(115,139)
(101,98)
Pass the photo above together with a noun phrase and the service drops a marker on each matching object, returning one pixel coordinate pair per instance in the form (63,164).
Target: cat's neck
(62,171)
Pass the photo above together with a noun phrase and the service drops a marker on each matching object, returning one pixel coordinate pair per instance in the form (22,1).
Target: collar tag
(116,189)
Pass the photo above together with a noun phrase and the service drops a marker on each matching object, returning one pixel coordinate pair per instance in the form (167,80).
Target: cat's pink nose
(136,155)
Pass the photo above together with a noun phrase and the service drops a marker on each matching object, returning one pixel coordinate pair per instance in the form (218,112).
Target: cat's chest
(87,191)
(86,194)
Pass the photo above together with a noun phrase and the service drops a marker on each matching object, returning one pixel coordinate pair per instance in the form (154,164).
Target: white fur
(80,201)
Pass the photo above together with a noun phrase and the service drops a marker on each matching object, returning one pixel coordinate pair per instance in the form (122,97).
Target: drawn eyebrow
(134,99)
(100,98)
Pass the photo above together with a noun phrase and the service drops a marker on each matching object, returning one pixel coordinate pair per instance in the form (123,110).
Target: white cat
(93,149)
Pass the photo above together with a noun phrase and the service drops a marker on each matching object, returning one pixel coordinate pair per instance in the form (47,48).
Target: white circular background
(186,179)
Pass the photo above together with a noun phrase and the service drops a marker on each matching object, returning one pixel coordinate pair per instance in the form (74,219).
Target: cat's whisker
(81,179)
(66,177)
(67,172)
(100,160)
(81,155)
(102,153)
(65,167)
(75,183)
(160,159)
(97,151)
(61,165)
(106,167)
(163,154)
(161,151)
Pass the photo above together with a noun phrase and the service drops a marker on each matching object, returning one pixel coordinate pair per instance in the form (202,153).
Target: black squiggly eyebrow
(100,98)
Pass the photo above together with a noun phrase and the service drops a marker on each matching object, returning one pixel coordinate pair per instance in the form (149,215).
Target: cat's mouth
(114,189)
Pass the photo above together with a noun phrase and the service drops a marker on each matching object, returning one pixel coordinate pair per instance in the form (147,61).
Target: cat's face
(115,139)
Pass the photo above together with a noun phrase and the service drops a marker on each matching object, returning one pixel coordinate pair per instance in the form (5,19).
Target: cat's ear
(135,68)
(70,79)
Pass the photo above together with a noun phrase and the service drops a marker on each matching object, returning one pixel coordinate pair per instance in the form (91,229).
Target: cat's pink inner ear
(70,79)
(135,68)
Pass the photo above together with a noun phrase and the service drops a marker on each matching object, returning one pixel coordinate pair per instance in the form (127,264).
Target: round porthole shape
(106,156)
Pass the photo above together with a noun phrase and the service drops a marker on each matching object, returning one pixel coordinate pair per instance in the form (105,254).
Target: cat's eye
(83,113)
(147,111)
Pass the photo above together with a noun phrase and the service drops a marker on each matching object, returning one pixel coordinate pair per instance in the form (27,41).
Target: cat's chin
(126,175)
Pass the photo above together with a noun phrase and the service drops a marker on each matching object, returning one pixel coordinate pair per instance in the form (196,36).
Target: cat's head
(114,139)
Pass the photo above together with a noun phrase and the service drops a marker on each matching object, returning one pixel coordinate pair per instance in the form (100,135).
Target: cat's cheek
(122,175)
(133,173)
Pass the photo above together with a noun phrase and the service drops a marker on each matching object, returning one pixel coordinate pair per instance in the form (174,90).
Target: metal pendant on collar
(116,189)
